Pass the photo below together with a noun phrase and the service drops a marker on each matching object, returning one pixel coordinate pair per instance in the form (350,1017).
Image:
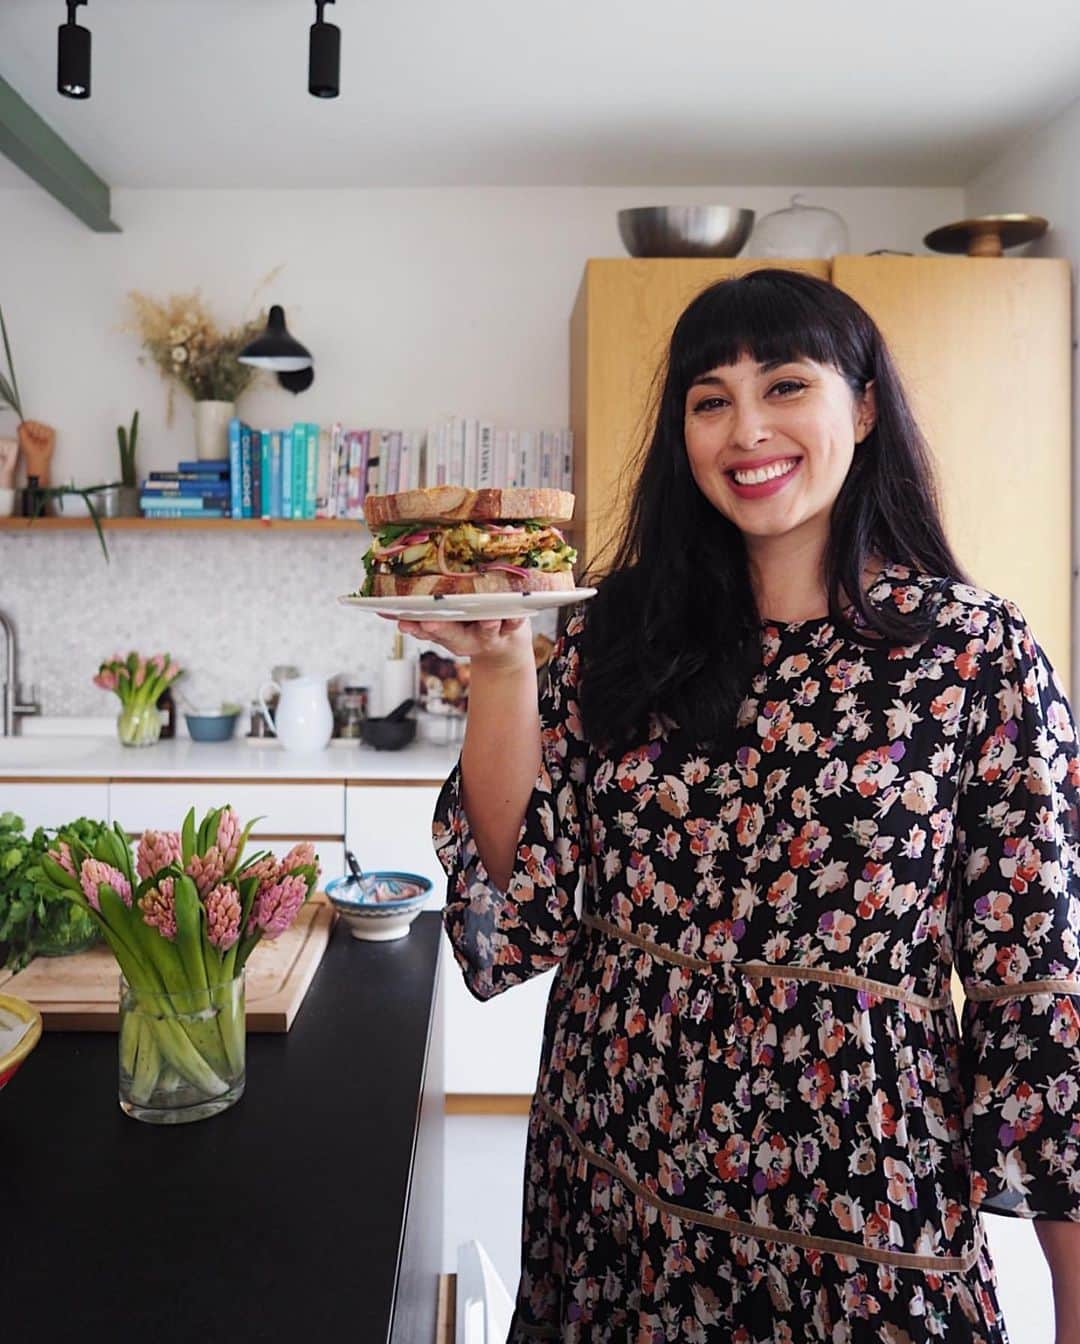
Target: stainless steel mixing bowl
(685,230)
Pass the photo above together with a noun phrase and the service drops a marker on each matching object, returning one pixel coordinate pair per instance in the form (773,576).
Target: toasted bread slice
(459,503)
(494,581)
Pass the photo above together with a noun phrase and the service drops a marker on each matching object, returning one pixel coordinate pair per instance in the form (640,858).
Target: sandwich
(451,539)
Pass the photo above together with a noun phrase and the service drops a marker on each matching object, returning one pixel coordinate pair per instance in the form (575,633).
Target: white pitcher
(304,720)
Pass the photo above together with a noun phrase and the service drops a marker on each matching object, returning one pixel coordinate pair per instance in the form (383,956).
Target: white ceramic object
(378,926)
(212,429)
(303,721)
(7,502)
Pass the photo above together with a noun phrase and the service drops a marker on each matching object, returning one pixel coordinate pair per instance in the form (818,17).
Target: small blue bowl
(378,921)
(212,727)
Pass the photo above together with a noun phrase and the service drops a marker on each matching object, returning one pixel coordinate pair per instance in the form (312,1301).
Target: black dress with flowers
(756,1117)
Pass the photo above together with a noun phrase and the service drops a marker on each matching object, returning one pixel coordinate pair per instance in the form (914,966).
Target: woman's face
(789,431)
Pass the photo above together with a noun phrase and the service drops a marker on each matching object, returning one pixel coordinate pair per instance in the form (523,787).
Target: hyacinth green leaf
(244,839)
(187,837)
(118,927)
(189,931)
(215,825)
(201,844)
(60,877)
(247,887)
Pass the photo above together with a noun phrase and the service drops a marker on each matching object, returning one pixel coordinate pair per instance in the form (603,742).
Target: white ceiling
(213,93)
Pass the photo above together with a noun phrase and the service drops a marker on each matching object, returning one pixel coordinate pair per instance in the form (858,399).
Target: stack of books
(194,490)
(460,451)
(276,472)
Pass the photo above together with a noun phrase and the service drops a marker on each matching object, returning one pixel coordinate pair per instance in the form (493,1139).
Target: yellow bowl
(21,1011)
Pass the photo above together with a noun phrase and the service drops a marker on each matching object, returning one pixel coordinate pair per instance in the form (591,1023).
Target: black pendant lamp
(324,55)
(73,56)
(275,349)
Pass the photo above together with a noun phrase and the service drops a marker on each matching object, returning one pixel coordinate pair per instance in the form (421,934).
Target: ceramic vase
(212,429)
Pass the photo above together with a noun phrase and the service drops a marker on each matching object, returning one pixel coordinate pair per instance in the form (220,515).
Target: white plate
(468,606)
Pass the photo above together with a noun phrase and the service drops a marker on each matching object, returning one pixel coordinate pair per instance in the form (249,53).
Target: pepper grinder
(397,680)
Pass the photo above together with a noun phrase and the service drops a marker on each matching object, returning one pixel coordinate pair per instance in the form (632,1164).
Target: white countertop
(49,752)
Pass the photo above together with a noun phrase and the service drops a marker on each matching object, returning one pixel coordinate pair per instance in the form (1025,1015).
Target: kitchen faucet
(11,706)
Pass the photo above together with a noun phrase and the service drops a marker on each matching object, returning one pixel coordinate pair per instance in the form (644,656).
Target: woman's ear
(866,416)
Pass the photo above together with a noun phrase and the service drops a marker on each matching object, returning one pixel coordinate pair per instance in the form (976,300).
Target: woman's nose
(750,425)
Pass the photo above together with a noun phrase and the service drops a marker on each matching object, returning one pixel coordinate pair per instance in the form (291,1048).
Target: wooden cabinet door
(984,350)
(619,332)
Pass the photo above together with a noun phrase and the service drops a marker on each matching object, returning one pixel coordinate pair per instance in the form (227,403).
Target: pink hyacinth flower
(206,872)
(157,849)
(106,680)
(228,837)
(158,906)
(223,916)
(267,870)
(275,908)
(94,872)
(62,856)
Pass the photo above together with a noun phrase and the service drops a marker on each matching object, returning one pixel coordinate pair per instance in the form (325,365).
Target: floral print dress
(757,1118)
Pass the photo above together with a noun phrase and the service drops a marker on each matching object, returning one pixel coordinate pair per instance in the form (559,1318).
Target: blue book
(299,475)
(217,464)
(245,471)
(312,479)
(200,477)
(234,465)
(264,474)
(286,472)
(189,504)
(208,486)
(186,513)
(256,473)
(275,473)
(184,501)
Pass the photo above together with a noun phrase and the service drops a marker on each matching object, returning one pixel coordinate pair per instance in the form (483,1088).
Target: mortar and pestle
(392,731)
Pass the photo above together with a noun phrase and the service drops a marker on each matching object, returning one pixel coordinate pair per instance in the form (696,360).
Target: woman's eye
(784,386)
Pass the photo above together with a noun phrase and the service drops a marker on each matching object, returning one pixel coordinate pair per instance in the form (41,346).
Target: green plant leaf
(12,394)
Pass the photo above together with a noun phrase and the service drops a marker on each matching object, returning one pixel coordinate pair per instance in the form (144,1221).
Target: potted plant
(182,339)
(128,490)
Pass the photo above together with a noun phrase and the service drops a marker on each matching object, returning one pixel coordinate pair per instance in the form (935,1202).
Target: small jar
(167,708)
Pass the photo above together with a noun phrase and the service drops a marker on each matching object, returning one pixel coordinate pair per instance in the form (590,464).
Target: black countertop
(310,1211)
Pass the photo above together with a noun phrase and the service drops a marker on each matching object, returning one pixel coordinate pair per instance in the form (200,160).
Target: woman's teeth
(768,473)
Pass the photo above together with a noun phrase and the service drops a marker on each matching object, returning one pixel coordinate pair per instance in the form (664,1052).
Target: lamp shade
(73,57)
(275,349)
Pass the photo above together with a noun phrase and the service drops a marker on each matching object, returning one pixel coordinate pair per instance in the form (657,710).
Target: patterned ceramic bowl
(20,1031)
(380,906)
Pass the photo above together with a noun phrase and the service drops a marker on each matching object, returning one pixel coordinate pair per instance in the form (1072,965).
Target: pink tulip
(276,907)
(228,837)
(157,849)
(140,674)
(172,671)
(223,916)
(106,680)
(158,906)
(94,872)
(62,856)
(206,872)
(158,662)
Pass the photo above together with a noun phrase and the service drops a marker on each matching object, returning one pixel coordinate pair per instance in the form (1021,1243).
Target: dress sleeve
(501,938)
(1018,890)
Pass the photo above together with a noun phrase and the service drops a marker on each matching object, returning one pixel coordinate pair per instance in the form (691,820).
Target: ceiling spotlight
(324,55)
(276,350)
(73,56)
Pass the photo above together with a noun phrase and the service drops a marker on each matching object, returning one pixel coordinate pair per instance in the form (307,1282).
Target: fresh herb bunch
(34,917)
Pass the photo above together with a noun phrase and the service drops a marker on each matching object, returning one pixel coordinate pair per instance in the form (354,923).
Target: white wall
(415,303)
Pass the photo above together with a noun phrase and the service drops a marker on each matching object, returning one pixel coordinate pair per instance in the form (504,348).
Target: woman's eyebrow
(714,380)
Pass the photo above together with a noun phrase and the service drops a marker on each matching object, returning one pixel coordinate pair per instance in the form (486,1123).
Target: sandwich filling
(412,548)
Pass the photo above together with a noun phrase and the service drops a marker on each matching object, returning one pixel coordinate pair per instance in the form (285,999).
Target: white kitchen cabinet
(288,809)
(491,1047)
(53,802)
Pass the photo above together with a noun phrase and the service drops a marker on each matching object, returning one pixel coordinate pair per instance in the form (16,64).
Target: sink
(36,753)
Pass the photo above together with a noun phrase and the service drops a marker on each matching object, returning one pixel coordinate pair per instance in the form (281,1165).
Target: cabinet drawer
(54,804)
(290,810)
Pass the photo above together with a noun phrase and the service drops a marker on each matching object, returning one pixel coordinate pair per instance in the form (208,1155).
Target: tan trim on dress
(981,993)
(829,1245)
(763,970)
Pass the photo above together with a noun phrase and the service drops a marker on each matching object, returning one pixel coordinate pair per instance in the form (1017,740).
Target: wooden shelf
(185,524)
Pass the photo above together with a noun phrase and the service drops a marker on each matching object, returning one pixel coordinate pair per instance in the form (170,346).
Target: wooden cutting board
(81,993)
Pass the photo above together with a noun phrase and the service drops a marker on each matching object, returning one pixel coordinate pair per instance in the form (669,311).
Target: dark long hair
(674,628)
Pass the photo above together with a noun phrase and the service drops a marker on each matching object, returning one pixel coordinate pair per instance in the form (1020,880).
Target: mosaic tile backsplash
(227,607)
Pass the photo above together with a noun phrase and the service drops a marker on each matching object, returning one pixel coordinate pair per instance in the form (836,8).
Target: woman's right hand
(497,644)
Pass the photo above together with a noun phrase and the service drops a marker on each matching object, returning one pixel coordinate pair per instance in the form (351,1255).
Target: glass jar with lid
(798,231)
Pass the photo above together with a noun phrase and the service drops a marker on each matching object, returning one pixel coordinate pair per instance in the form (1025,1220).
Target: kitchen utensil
(467,606)
(354,865)
(372,909)
(384,735)
(20,1031)
(799,231)
(212,726)
(303,721)
(986,235)
(684,230)
(257,726)
(396,715)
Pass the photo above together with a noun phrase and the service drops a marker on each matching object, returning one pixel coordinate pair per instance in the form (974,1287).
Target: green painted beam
(32,145)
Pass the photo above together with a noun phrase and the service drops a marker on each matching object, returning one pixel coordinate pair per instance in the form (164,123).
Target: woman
(800,765)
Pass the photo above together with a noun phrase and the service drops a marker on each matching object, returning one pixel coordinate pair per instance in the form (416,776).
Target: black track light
(275,349)
(73,56)
(324,55)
